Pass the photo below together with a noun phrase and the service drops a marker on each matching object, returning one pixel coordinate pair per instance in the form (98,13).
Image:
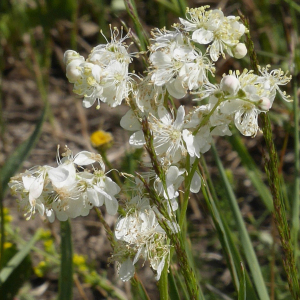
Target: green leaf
(173,292)
(163,284)
(226,237)
(141,33)
(242,289)
(66,265)
(137,289)
(18,276)
(253,172)
(17,259)
(243,233)
(170,6)
(14,162)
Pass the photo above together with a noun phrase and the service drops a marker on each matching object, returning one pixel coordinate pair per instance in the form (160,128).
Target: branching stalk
(271,167)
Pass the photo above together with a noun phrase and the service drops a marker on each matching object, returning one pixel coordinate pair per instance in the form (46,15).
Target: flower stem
(206,118)
(271,167)
(187,192)
(163,284)
(110,166)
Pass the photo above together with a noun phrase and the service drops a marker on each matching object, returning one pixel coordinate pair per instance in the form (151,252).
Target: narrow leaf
(16,159)
(254,174)
(141,33)
(244,235)
(66,266)
(226,237)
(242,290)
(174,295)
(17,259)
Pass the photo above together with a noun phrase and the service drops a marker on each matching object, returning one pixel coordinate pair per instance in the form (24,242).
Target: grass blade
(17,259)
(182,6)
(242,290)
(232,255)
(170,6)
(254,174)
(244,236)
(16,159)
(174,295)
(66,267)
(143,36)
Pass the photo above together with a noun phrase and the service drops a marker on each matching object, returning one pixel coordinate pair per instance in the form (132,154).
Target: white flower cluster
(104,75)
(139,235)
(211,26)
(181,62)
(64,191)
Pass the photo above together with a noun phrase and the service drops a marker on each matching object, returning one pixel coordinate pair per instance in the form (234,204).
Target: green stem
(163,284)
(109,233)
(187,192)
(206,118)
(110,166)
(65,284)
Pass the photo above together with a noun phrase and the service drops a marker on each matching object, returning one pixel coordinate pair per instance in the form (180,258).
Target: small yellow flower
(8,218)
(78,259)
(101,138)
(48,245)
(45,234)
(7,245)
(39,270)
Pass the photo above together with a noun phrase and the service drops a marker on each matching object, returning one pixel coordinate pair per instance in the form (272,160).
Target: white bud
(72,71)
(264,104)
(71,55)
(230,84)
(240,50)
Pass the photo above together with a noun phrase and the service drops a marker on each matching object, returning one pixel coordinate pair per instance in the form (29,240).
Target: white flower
(30,186)
(167,134)
(210,26)
(195,73)
(173,181)
(142,235)
(169,59)
(115,83)
(104,75)
(273,80)
(116,50)
(65,192)
(244,97)
(88,83)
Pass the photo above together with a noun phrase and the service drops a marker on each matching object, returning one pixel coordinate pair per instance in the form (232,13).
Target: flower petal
(202,36)
(127,270)
(196,183)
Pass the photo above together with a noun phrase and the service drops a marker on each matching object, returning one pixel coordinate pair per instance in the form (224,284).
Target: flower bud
(71,55)
(72,71)
(230,84)
(240,50)
(264,104)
